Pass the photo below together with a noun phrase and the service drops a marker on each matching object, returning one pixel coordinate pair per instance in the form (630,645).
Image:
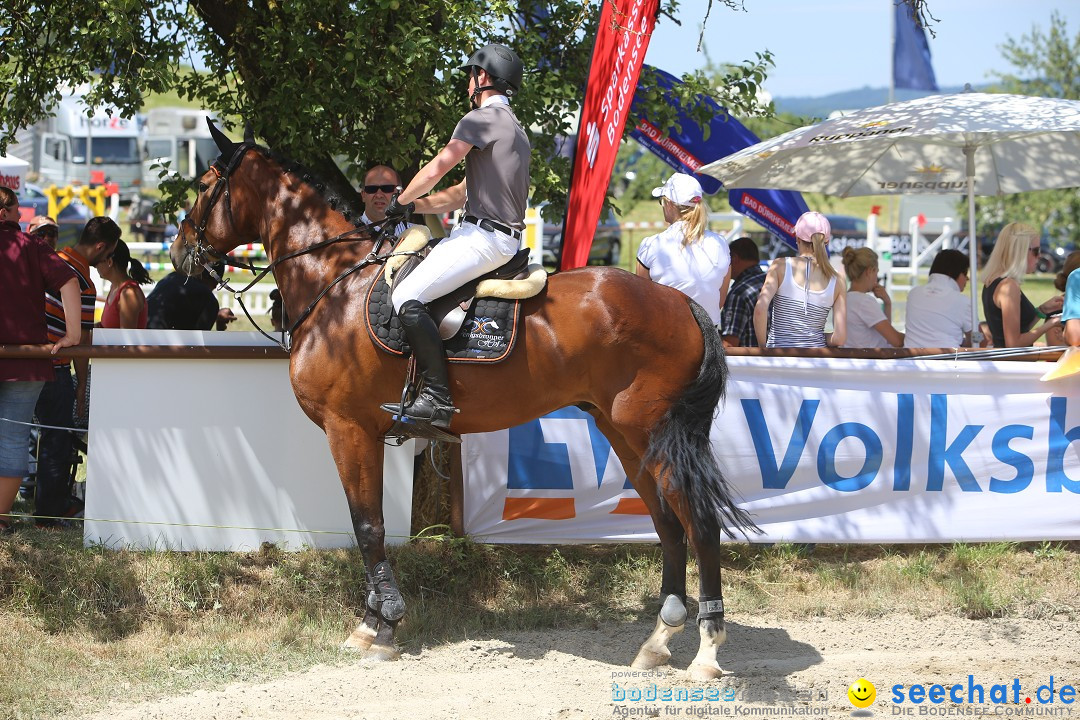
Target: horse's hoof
(649,659)
(382,653)
(702,672)
(360,639)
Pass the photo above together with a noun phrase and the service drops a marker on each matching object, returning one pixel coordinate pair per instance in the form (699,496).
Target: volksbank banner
(821,451)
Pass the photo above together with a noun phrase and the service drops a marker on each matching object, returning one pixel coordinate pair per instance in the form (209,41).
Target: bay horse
(642,358)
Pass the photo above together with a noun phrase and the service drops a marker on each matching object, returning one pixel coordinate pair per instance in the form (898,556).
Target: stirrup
(440,415)
(409,427)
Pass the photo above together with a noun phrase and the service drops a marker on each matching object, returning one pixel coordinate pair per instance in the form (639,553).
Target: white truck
(74,147)
(179,137)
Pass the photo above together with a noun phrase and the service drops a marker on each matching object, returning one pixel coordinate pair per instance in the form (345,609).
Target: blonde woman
(1008,312)
(800,291)
(869,324)
(687,256)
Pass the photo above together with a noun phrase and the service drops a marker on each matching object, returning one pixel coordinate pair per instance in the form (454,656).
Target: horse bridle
(203,249)
(206,254)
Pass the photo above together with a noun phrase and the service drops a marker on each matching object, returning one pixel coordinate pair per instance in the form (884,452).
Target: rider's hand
(396,209)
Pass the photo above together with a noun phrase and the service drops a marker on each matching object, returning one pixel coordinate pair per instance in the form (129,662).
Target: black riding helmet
(501,63)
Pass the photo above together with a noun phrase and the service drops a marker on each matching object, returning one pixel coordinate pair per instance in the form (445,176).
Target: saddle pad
(487,334)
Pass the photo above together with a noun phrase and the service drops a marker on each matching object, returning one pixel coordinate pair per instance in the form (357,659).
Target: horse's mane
(346,206)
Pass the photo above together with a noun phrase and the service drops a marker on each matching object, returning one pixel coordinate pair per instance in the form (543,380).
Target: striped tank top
(797,315)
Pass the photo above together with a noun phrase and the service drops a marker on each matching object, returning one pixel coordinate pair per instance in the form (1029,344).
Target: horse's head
(211,227)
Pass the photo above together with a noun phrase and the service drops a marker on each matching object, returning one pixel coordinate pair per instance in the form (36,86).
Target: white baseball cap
(681,189)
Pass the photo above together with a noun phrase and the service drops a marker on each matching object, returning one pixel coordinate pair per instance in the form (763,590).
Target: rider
(494,192)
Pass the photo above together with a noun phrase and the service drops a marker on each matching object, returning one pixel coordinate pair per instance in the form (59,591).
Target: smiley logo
(862,693)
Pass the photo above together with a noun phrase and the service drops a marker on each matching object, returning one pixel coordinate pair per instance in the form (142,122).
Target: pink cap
(812,223)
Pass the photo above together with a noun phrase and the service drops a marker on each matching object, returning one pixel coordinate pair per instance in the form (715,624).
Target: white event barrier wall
(216,455)
(820,451)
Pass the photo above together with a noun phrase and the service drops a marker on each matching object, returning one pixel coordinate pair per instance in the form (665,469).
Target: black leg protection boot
(433,404)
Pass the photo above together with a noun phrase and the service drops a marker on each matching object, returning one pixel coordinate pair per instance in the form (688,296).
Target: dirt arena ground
(799,668)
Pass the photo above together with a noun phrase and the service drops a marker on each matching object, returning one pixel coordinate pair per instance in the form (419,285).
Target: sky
(835,45)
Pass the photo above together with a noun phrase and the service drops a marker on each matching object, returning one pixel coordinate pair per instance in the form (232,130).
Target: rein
(205,254)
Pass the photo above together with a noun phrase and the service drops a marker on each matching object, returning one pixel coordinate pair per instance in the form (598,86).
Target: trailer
(179,139)
(82,145)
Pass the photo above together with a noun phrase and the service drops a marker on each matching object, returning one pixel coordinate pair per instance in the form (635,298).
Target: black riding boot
(433,404)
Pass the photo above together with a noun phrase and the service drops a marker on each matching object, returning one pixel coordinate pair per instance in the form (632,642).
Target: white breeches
(467,253)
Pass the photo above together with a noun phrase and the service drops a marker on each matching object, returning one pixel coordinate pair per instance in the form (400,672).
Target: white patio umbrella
(978,143)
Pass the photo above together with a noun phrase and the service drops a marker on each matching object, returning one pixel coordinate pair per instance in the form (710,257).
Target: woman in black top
(1009,313)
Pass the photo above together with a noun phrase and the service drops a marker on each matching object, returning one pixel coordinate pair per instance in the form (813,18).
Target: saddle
(478,321)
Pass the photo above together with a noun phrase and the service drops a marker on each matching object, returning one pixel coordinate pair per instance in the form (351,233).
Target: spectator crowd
(804,301)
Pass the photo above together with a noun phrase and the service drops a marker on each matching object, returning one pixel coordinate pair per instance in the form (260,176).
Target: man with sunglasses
(380,184)
(494,194)
(44,227)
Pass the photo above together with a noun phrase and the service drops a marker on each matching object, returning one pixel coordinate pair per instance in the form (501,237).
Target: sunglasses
(46,231)
(1034,251)
(372,189)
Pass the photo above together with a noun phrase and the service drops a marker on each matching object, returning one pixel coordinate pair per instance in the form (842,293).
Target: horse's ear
(249,134)
(225,145)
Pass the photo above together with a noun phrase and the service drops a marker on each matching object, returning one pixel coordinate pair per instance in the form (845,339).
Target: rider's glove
(396,209)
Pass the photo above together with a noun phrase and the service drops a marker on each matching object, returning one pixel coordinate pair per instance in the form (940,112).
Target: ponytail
(695,219)
(121,255)
(138,272)
(821,255)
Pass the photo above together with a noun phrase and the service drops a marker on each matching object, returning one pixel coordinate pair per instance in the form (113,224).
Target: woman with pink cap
(800,291)
(687,255)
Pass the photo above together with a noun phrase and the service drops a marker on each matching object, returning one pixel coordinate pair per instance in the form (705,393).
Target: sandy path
(569,674)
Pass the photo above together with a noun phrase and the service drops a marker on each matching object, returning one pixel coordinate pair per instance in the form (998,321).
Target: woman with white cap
(687,255)
(800,291)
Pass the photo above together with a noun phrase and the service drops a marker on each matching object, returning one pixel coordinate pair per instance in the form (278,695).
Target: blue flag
(686,151)
(911,53)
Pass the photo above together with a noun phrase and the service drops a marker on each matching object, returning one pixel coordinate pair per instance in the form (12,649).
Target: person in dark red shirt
(52,496)
(28,267)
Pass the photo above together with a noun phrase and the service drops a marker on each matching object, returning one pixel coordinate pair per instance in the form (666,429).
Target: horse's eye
(203,187)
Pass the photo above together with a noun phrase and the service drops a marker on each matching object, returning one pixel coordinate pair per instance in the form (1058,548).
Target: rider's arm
(430,175)
(448,200)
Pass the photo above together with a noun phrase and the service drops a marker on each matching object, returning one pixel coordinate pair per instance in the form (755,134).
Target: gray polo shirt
(497,169)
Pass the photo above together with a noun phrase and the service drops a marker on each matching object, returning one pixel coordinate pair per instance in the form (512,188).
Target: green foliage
(1046,63)
(336,86)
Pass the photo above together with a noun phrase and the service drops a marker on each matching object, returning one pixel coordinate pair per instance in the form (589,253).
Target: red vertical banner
(621,41)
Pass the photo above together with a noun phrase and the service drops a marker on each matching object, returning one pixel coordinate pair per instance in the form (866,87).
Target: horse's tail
(682,448)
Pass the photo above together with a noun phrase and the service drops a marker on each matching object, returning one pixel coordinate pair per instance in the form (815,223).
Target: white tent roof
(13,172)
